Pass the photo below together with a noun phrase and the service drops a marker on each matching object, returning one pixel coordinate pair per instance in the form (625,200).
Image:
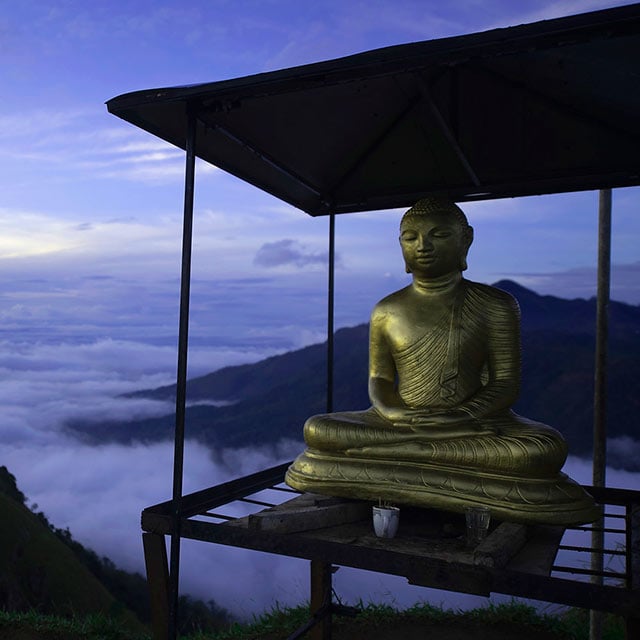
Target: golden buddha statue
(444,371)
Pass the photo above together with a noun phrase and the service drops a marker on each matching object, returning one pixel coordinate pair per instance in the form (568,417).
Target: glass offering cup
(477,519)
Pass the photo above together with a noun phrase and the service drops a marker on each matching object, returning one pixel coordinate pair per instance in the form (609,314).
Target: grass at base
(281,622)
(570,625)
(32,624)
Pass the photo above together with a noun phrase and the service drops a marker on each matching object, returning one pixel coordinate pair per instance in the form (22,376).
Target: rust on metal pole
(600,387)
(181,384)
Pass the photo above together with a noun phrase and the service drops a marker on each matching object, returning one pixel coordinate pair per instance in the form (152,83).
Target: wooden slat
(307,513)
(539,552)
(500,545)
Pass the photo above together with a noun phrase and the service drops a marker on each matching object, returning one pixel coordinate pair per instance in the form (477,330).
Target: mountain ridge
(273,397)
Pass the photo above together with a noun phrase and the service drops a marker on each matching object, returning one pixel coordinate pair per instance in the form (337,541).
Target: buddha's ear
(406,266)
(468,239)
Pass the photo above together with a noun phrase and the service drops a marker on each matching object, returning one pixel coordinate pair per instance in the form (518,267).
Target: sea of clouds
(99,491)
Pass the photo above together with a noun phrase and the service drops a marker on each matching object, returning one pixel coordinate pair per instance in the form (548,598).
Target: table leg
(321,599)
(155,557)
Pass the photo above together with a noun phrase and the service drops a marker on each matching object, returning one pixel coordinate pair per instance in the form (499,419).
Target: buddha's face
(433,244)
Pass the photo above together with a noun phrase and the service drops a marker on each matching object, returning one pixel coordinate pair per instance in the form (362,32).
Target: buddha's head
(435,237)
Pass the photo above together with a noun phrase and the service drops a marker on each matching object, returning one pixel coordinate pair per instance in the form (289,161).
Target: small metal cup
(478,519)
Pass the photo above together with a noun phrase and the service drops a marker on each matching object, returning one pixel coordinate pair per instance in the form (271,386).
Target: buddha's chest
(434,329)
(419,318)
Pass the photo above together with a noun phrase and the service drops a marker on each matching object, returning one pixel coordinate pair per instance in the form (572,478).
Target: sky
(90,233)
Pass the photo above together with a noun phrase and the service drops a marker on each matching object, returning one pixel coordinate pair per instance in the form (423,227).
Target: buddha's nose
(424,244)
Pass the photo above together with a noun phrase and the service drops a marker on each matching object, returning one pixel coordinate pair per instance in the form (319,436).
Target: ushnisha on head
(442,223)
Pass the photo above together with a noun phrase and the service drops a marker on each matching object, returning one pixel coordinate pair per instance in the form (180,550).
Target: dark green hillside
(38,571)
(273,398)
(43,569)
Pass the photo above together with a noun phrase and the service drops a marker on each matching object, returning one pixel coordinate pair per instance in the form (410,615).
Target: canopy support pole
(330,310)
(600,386)
(181,384)
(602,336)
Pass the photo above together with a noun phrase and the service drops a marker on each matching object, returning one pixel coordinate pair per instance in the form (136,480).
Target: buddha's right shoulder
(389,303)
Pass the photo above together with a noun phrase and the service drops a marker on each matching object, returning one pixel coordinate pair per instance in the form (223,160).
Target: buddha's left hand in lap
(447,424)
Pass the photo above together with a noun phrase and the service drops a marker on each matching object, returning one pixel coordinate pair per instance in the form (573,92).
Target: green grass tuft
(90,627)
(280,619)
(280,622)
(576,623)
(572,624)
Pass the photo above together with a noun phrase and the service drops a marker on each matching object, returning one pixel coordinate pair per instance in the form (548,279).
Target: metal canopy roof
(538,108)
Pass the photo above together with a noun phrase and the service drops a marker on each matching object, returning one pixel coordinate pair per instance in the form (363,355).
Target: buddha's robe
(470,361)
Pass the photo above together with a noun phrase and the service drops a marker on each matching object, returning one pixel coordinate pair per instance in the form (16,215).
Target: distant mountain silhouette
(272,398)
(577,316)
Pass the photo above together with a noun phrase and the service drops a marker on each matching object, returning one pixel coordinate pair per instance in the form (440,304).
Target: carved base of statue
(515,471)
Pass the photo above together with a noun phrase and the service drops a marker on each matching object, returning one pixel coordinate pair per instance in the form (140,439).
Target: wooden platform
(429,549)
(423,533)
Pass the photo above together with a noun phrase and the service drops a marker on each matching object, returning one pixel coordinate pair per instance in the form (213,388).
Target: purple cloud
(287,252)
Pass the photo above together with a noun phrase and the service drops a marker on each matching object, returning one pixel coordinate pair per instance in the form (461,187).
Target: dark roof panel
(539,108)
